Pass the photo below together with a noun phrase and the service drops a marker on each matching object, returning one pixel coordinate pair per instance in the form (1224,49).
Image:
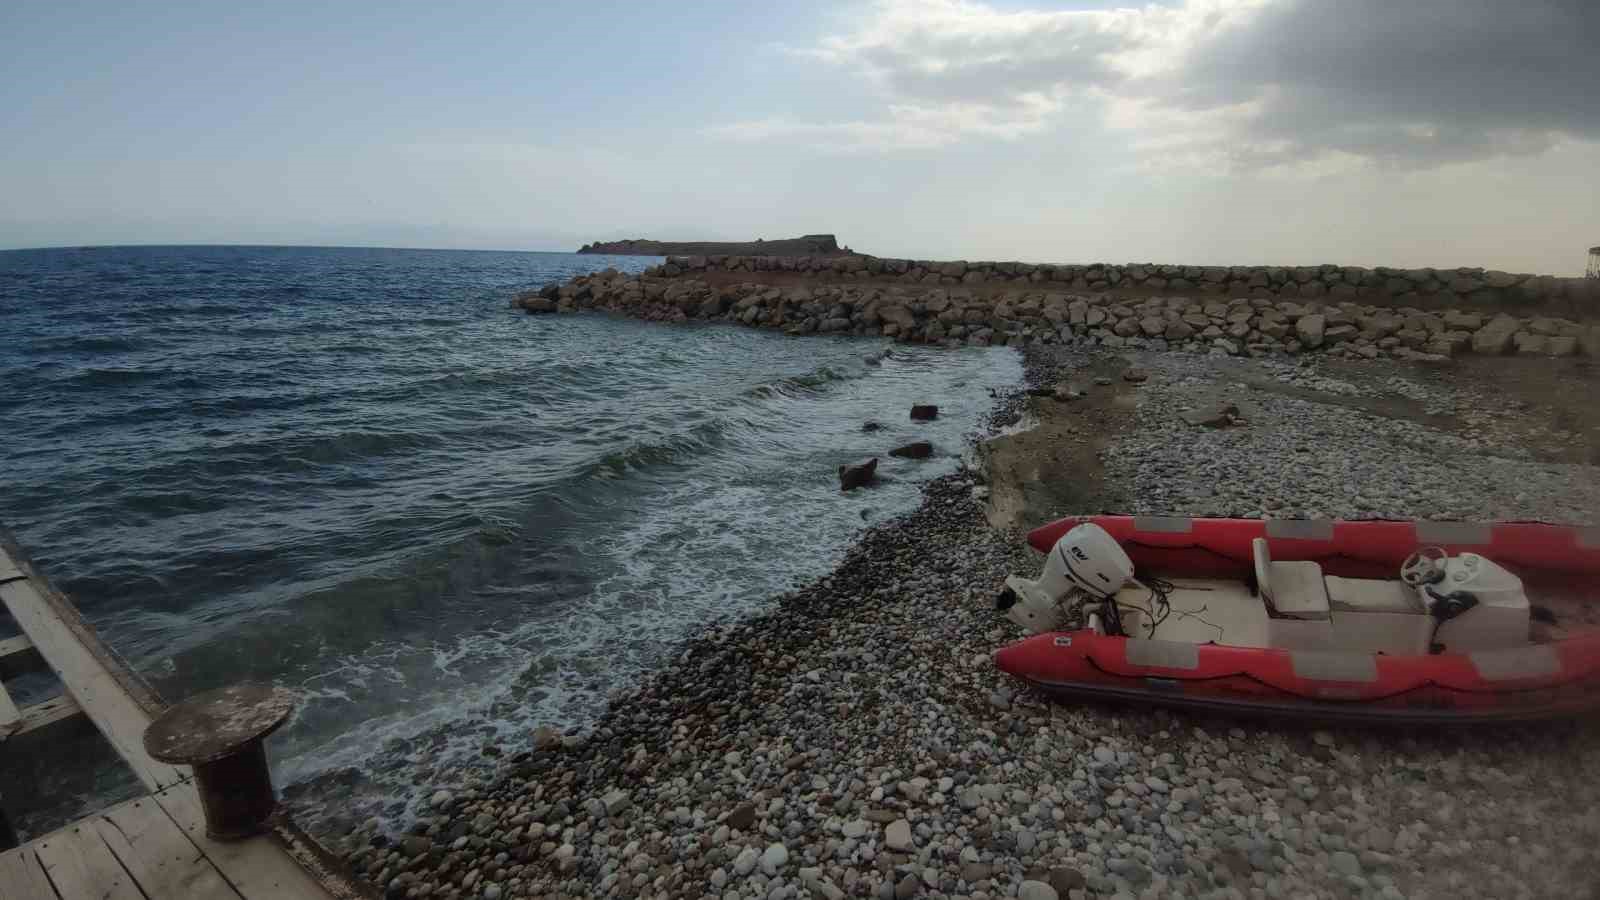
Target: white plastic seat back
(1292,590)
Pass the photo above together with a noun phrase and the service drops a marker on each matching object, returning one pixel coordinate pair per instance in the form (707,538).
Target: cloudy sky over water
(1422,132)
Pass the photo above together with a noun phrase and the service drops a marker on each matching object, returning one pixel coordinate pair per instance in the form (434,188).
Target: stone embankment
(1354,313)
(805,245)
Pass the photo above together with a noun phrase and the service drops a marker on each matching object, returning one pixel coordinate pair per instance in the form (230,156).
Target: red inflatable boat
(1369,621)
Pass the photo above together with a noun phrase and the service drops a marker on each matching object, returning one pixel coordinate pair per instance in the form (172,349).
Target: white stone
(898,835)
(1037,890)
(773,859)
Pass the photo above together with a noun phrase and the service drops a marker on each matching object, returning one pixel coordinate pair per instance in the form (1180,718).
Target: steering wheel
(1424,566)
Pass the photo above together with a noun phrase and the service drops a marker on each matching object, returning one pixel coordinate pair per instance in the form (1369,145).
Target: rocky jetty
(1047,312)
(806,245)
(1428,288)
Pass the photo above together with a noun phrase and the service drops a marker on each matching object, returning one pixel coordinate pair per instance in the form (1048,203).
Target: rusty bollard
(221,733)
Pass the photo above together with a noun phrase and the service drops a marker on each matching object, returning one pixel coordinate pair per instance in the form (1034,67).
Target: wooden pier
(152,847)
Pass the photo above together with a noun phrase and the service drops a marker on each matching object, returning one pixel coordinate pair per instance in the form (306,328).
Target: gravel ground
(858,741)
(1309,457)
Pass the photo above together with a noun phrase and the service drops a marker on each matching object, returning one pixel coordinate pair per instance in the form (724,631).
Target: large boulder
(852,477)
(1310,330)
(924,412)
(1494,339)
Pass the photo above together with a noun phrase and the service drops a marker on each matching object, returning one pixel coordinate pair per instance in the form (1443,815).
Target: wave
(110,377)
(808,383)
(88,344)
(664,451)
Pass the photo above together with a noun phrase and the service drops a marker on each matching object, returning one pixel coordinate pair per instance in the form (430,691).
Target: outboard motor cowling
(1085,559)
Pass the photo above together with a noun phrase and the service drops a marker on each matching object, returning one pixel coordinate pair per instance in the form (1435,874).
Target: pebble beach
(857,741)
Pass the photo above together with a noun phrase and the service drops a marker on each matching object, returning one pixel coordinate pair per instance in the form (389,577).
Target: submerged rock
(914,450)
(852,477)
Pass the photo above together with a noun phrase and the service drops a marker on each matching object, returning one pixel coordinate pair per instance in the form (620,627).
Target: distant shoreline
(805,245)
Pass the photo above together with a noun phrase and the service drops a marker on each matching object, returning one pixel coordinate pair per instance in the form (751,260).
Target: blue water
(359,474)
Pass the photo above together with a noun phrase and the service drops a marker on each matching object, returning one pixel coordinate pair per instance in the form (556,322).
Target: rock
(416,845)
(1561,345)
(492,892)
(745,862)
(852,477)
(743,817)
(616,801)
(1037,890)
(898,835)
(1135,376)
(440,799)
(1494,339)
(1065,880)
(855,828)
(1529,344)
(539,305)
(1344,862)
(773,859)
(1135,872)
(907,887)
(1217,415)
(1310,330)
(974,872)
(914,450)
(870,427)
(546,738)
(924,412)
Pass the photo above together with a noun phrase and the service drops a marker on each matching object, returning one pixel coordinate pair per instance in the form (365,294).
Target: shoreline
(857,741)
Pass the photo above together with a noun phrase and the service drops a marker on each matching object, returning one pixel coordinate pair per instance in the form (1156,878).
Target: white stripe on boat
(1454,533)
(1516,662)
(1333,665)
(1301,529)
(1163,654)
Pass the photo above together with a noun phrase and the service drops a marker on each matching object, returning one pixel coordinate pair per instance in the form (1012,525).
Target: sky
(1210,132)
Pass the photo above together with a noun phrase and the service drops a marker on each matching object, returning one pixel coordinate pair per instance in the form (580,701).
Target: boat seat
(1292,590)
(1371,595)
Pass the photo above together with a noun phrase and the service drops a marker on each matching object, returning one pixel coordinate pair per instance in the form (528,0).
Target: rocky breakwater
(1042,312)
(1426,288)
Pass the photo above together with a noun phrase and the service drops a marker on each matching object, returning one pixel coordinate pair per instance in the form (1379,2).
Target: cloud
(1264,85)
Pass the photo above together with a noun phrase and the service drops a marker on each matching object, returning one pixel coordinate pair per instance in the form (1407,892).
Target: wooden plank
(79,864)
(18,656)
(101,695)
(46,713)
(136,688)
(10,716)
(258,868)
(160,857)
(22,876)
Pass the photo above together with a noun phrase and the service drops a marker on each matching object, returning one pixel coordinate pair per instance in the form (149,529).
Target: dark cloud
(1405,82)
(1237,83)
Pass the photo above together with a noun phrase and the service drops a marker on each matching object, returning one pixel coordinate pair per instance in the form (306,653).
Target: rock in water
(924,412)
(915,450)
(1135,376)
(870,426)
(546,738)
(852,477)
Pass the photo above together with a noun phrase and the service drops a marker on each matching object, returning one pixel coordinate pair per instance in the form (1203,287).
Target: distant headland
(806,245)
